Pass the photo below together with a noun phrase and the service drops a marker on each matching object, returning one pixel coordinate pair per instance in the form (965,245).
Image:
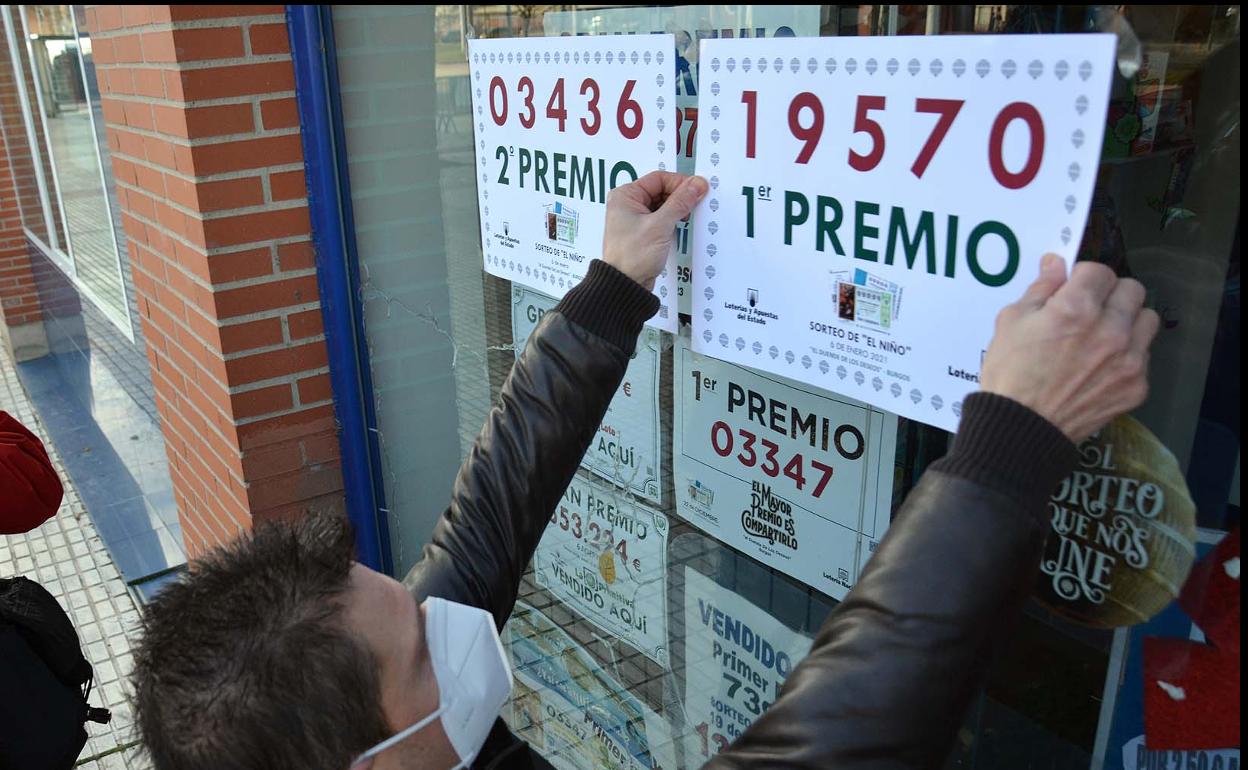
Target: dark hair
(245,661)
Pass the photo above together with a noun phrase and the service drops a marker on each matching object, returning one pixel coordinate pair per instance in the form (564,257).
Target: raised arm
(551,405)
(894,667)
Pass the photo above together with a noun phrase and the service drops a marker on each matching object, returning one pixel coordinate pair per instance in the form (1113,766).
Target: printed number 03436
(629,118)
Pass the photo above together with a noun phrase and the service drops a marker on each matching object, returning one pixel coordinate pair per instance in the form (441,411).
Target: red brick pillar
(202,124)
(21,320)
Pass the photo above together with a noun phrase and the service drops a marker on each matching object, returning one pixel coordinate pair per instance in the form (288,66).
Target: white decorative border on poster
(626,450)
(571,711)
(558,123)
(797,478)
(688,25)
(875,201)
(737,657)
(604,556)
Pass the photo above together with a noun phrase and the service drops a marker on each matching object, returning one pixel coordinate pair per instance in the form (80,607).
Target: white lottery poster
(799,479)
(688,25)
(626,449)
(604,557)
(876,201)
(736,659)
(560,122)
(571,711)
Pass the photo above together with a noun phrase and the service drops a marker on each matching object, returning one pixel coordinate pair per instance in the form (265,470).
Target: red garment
(30,492)
(1191,690)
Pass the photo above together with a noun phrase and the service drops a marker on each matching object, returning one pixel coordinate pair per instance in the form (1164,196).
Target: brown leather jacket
(895,665)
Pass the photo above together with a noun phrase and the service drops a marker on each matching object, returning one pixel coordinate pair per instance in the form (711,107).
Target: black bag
(44,681)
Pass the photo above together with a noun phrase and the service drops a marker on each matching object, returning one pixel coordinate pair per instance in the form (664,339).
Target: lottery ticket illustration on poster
(604,556)
(571,711)
(626,450)
(688,25)
(797,478)
(559,123)
(876,201)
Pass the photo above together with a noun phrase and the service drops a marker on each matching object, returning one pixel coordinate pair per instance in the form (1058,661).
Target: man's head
(279,651)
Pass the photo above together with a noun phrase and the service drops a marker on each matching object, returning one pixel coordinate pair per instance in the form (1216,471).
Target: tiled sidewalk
(68,558)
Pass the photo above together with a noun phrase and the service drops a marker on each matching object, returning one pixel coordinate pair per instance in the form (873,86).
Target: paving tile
(68,557)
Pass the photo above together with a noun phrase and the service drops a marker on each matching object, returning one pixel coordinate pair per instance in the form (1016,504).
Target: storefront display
(731,496)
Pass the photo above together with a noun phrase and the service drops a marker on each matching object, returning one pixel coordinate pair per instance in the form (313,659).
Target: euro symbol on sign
(628,389)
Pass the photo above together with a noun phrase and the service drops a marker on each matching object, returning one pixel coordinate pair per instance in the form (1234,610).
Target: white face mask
(474,677)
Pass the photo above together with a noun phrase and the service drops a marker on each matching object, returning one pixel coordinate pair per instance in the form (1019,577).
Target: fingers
(1052,276)
(682,200)
(657,185)
(1144,330)
(1090,283)
(1126,299)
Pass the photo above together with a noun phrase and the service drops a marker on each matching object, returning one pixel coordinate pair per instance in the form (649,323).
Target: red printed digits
(810,135)
(588,85)
(1035,150)
(630,119)
(690,117)
(864,124)
(947,109)
(554,108)
(628,106)
(724,442)
(750,100)
(498,112)
(525,84)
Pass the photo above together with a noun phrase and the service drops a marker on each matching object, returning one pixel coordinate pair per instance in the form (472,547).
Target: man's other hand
(641,222)
(1074,350)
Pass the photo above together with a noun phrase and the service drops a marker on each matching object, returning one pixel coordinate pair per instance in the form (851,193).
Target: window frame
(62,255)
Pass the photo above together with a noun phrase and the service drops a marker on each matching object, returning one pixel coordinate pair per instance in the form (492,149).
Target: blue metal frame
(337,272)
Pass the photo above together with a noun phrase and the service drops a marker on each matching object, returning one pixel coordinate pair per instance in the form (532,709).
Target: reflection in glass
(54,55)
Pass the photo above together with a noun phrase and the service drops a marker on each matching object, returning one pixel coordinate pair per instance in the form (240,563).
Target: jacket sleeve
(533,440)
(894,667)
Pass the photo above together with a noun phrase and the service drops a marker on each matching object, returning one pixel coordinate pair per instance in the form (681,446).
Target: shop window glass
(63,103)
(25,138)
(442,336)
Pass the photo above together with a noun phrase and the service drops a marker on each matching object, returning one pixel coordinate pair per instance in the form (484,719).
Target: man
(279,653)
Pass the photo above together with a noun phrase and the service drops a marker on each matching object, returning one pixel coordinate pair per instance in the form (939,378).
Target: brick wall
(202,125)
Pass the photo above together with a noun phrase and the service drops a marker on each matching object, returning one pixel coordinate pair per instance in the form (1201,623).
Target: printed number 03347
(806,120)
